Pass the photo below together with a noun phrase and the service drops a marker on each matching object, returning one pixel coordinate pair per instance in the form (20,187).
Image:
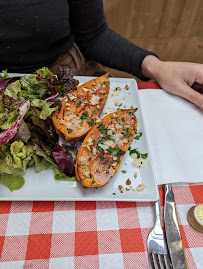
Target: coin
(194,217)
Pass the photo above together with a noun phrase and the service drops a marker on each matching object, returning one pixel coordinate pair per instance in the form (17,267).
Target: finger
(191,95)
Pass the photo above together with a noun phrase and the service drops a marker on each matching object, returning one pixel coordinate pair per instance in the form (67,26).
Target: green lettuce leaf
(13,90)
(15,157)
(61,176)
(7,121)
(12,182)
(41,163)
(47,110)
(44,72)
(8,111)
(5,75)
(32,88)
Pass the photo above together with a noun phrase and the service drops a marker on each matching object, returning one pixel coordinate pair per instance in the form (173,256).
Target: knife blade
(173,235)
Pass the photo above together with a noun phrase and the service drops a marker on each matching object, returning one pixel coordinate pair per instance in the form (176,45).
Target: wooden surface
(171,28)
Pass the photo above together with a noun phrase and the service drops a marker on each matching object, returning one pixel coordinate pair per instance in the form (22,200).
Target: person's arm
(98,42)
(176,77)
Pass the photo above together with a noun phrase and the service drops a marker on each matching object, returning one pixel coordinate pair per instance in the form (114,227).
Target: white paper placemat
(175,134)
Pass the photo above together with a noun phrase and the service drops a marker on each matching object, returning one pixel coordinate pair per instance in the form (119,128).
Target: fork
(156,244)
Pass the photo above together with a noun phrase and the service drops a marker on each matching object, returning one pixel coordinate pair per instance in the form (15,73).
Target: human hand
(176,77)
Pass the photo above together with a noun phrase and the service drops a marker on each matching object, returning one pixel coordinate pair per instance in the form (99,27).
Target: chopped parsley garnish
(82,164)
(99,149)
(113,193)
(101,99)
(113,151)
(92,182)
(95,111)
(79,104)
(126,132)
(102,128)
(89,159)
(97,171)
(122,119)
(130,113)
(137,137)
(120,105)
(106,83)
(123,171)
(143,155)
(69,130)
(101,158)
(90,122)
(85,116)
(127,189)
(108,137)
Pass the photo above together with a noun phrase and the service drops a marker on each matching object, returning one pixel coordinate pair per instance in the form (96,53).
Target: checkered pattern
(90,234)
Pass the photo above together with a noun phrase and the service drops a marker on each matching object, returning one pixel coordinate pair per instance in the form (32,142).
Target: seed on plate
(135,175)
(140,187)
(121,188)
(128,182)
(131,187)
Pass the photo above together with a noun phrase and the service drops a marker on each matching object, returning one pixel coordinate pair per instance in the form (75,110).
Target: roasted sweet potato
(103,148)
(79,111)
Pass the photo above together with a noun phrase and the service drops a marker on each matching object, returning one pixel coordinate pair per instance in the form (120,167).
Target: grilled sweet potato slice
(103,148)
(80,109)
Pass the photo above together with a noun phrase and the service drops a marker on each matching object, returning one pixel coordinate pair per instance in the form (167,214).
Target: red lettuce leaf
(64,160)
(54,93)
(4,83)
(6,135)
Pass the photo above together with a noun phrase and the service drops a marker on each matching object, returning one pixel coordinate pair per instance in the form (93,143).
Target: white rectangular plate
(43,187)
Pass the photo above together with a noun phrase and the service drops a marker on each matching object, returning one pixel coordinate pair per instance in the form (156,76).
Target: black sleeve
(98,42)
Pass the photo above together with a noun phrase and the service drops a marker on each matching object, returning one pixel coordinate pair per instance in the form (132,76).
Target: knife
(173,235)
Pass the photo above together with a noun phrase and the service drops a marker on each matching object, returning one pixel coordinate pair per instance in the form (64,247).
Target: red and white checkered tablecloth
(90,234)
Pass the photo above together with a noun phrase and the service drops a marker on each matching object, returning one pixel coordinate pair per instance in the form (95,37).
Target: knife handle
(173,233)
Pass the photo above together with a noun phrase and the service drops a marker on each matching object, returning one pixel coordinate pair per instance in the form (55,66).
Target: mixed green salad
(27,136)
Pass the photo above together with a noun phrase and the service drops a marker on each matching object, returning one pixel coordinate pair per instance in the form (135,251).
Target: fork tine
(161,261)
(155,259)
(151,262)
(167,262)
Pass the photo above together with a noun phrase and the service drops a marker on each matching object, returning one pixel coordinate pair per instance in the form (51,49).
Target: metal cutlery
(156,244)
(173,235)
